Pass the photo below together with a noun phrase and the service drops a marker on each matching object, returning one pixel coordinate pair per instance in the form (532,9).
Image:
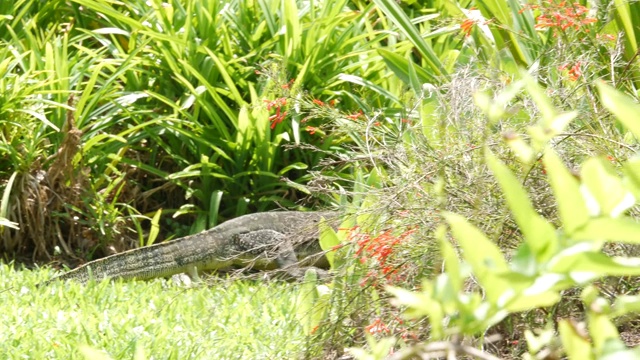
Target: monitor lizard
(260,241)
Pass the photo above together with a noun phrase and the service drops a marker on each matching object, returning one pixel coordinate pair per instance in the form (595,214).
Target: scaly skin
(260,241)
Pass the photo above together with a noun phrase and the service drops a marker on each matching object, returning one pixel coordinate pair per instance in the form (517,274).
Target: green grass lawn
(227,320)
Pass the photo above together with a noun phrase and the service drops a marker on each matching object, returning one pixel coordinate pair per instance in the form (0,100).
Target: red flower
(287,86)
(574,71)
(377,327)
(355,116)
(379,248)
(562,15)
(279,116)
(467,26)
(275,103)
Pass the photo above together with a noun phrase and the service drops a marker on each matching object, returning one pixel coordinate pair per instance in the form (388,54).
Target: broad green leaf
(451,263)
(571,206)
(524,292)
(416,302)
(420,304)
(616,349)
(574,342)
(624,230)
(376,349)
(520,148)
(480,252)
(527,302)
(483,101)
(632,172)
(601,183)
(623,107)
(484,257)
(591,265)
(524,261)
(559,123)
(625,304)
(542,340)
(538,233)
(601,329)
(305,301)
(540,98)
(155,228)
(329,240)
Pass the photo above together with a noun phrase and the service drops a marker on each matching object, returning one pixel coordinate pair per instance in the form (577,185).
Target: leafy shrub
(550,261)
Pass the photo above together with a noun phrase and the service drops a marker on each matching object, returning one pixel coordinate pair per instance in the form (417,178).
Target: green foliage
(550,260)
(161,320)
(182,113)
(168,99)
(400,19)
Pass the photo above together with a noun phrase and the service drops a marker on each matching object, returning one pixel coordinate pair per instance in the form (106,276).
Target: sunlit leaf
(400,19)
(329,240)
(575,343)
(603,184)
(624,108)
(538,233)
(566,188)
(625,230)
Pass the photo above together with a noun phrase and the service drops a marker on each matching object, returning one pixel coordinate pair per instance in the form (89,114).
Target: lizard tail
(158,260)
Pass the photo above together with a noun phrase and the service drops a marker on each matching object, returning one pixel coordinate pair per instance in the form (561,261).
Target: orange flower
(355,116)
(606,37)
(377,327)
(279,116)
(574,71)
(467,26)
(562,15)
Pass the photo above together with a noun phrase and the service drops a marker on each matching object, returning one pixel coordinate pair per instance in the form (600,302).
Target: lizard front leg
(273,246)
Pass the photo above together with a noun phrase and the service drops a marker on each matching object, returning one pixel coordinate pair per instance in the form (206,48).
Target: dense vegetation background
(123,123)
